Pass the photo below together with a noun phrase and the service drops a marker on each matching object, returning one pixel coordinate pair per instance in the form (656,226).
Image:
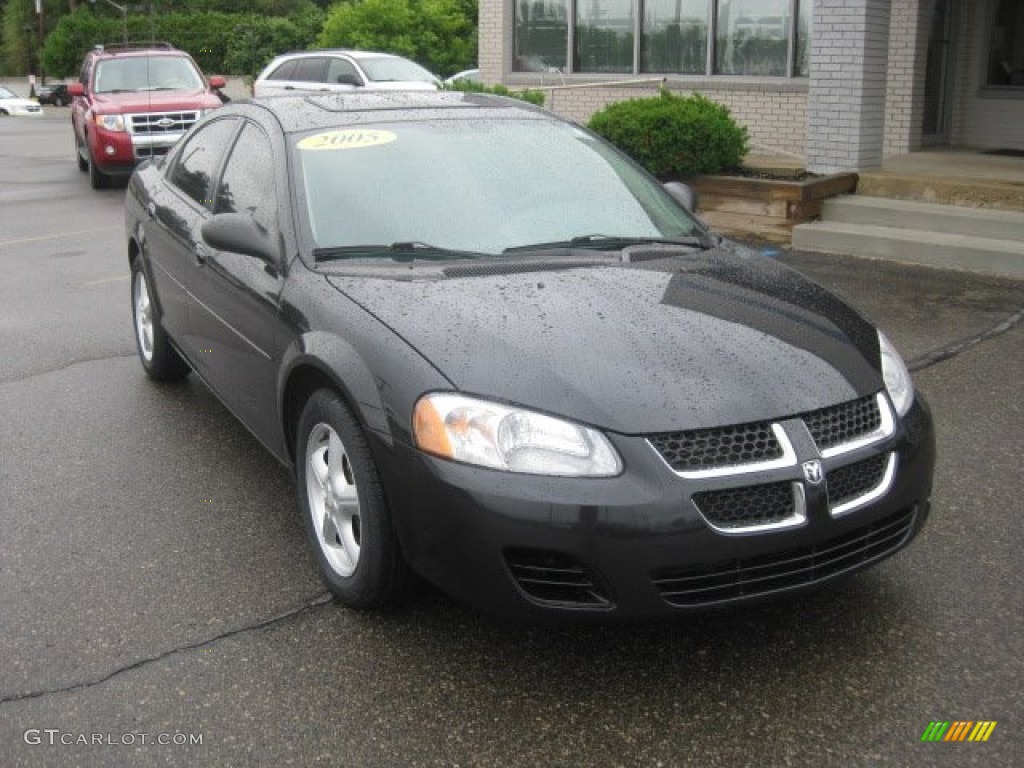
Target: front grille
(751,505)
(157,123)
(855,480)
(556,578)
(843,423)
(735,579)
(145,153)
(703,449)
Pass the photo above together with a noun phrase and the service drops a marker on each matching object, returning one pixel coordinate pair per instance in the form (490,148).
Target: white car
(465,76)
(343,70)
(12,104)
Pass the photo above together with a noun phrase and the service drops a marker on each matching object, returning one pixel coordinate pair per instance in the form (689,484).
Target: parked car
(465,76)
(132,102)
(569,400)
(342,70)
(56,94)
(12,104)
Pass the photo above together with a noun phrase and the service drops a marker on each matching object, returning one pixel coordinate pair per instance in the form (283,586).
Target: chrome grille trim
(160,123)
(788,459)
(872,495)
(796,519)
(885,429)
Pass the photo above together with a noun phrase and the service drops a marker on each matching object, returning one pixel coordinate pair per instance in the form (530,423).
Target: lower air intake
(554,578)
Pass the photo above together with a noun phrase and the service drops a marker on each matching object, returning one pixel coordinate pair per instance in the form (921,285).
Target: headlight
(512,439)
(110,122)
(896,376)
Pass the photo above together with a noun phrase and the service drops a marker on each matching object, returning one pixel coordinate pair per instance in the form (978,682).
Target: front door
(937,85)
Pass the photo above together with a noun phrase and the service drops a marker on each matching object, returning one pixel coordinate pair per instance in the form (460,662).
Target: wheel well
(302,383)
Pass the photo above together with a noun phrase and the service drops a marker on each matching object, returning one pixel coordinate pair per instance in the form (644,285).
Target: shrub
(532,96)
(674,136)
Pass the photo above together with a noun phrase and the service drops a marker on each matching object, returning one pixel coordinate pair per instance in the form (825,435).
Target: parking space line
(57,236)
(103,280)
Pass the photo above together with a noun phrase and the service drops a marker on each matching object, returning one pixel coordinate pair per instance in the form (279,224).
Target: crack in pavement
(949,351)
(64,366)
(323,598)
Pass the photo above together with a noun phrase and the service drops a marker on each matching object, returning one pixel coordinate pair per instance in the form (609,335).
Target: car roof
(351,52)
(312,111)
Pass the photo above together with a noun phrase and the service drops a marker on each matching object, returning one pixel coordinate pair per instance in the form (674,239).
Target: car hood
(154,101)
(698,340)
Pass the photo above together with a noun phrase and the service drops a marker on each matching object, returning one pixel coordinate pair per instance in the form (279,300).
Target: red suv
(132,102)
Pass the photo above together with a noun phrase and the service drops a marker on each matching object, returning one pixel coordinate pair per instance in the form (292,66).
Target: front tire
(97,178)
(160,360)
(342,503)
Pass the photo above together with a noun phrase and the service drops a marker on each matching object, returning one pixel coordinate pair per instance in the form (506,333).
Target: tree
(439,34)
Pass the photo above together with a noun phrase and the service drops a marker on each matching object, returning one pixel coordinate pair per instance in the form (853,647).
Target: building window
(1006,50)
(604,36)
(675,37)
(752,38)
(542,29)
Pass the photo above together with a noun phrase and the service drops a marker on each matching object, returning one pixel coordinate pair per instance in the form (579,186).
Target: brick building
(836,82)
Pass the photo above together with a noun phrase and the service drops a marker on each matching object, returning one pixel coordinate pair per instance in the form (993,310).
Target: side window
(342,71)
(198,160)
(247,184)
(285,72)
(311,70)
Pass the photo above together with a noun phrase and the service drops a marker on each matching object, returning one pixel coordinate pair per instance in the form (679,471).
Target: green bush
(532,96)
(674,136)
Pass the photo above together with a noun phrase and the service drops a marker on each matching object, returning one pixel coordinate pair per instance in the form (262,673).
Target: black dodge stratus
(500,355)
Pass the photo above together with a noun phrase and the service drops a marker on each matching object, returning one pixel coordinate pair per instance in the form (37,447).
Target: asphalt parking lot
(159,606)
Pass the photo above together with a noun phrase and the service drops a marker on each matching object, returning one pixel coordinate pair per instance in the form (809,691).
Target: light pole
(124,12)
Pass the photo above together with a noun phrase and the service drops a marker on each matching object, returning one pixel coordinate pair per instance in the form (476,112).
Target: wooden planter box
(766,209)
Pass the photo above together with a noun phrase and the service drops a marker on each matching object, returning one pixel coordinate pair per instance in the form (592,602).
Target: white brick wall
(904,97)
(775,118)
(846,101)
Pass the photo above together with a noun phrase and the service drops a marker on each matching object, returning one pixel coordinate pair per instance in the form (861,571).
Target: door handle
(202,253)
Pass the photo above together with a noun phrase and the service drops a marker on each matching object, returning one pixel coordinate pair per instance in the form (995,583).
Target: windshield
(387,69)
(147,73)
(6,93)
(480,186)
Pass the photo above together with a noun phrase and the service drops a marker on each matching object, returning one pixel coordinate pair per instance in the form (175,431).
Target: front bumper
(638,545)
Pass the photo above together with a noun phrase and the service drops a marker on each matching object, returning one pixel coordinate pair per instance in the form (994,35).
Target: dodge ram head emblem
(813,472)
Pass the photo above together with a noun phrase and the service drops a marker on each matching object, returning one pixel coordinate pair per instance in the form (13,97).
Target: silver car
(343,70)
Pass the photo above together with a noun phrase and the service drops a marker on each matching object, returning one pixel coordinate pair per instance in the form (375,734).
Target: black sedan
(56,94)
(499,355)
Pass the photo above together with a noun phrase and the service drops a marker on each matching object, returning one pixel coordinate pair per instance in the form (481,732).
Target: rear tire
(342,503)
(160,360)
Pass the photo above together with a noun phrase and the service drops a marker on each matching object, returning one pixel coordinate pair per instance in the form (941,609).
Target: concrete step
(936,249)
(927,217)
(951,189)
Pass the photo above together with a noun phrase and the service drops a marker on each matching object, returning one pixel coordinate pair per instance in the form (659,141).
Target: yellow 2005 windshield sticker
(351,138)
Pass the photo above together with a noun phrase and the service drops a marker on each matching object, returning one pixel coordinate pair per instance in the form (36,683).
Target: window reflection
(542,35)
(753,37)
(675,36)
(1006,50)
(604,36)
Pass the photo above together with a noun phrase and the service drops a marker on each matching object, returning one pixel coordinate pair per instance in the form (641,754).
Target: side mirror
(76,89)
(682,194)
(217,82)
(239,233)
(349,79)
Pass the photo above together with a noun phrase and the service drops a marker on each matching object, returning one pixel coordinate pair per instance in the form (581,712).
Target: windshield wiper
(600,242)
(398,251)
